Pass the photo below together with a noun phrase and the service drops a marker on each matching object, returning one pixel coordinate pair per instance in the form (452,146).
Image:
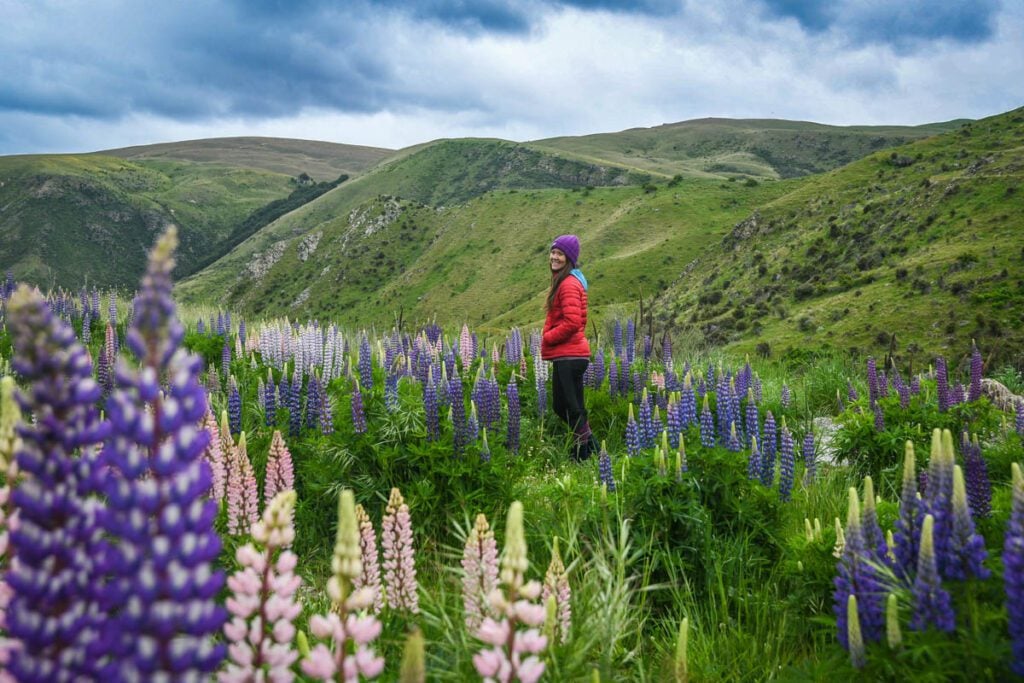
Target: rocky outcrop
(262,262)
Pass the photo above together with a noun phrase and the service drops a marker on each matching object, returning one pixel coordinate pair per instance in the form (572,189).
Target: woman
(564,343)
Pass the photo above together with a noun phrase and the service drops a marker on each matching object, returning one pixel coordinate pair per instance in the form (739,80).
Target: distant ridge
(323,161)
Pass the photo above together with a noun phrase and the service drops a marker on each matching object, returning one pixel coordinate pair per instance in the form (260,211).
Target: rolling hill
(915,250)
(66,221)
(322,161)
(716,147)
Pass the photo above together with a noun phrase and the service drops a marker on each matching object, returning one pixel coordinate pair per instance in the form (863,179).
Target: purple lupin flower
(270,400)
(365,362)
(751,425)
(942,384)
(460,431)
(485,449)
(633,440)
(733,443)
(851,393)
(1019,423)
(358,413)
(974,393)
(908,525)
(326,416)
(786,462)
(874,537)
(630,341)
(879,418)
(1013,572)
(858,574)
(810,459)
(932,604)
(294,405)
(514,413)
(937,497)
(768,450)
(431,408)
(979,488)
(617,339)
(646,421)
(688,404)
(786,395)
(967,547)
(673,422)
(604,468)
(225,359)
(314,397)
(234,406)
(754,461)
(52,616)
(707,425)
(873,389)
(162,616)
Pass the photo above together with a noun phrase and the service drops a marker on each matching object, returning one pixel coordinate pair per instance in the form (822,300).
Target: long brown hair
(557,277)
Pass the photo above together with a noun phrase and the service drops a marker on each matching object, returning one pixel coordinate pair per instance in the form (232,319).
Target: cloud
(85,75)
(907,24)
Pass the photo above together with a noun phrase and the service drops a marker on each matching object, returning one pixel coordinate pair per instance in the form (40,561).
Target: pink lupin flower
(370,575)
(346,654)
(280,469)
(242,492)
(263,603)
(556,584)
(480,572)
(399,555)
(214,456)
(513,652)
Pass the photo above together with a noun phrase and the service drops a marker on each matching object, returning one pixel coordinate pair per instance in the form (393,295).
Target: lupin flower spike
(858,657)
(556,585)
(480,572)
(263,602)
(348,633)
(682,665)
(399,555)
(160,523)
(1013,574)
(370,575)
(414,664)
(932,605)
(893,635)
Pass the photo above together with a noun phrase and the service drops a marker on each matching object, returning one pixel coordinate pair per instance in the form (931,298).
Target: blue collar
(578,274)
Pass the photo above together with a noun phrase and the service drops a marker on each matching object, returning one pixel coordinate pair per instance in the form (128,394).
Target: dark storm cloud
(904,24)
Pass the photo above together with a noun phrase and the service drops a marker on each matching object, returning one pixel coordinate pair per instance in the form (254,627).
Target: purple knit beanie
(568,245)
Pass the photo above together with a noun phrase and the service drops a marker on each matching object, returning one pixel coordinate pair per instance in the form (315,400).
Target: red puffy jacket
(566,322)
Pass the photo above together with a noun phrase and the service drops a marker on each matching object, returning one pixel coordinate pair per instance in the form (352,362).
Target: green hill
(925,242)
(323,161)
(70,220)
(763,148)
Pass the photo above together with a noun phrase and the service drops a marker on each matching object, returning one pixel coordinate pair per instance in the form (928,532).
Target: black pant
(567,402)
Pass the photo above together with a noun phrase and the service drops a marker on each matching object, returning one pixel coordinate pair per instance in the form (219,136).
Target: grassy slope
(65,220)
(324,161)
(926,245)
(729,147)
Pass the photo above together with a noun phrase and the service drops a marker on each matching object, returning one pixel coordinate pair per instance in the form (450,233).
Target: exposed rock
(999,395)
(308,245)
(824,431)
(261,263)
(361,218)
(301,298)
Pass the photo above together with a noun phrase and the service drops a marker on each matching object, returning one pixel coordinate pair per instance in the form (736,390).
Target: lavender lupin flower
(1013,572)
(270,400)
(485,449)
(786,395)
(399,556)
(10,443)
(967,547)
(645,421)
(733,443)
(932,604)
(633,441)
(365,362)
(879,418)
(263,602)
(51,618)
(162,582)
(1019,422)
(480,572)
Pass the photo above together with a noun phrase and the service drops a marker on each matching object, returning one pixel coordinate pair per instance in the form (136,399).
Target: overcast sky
(82,75)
